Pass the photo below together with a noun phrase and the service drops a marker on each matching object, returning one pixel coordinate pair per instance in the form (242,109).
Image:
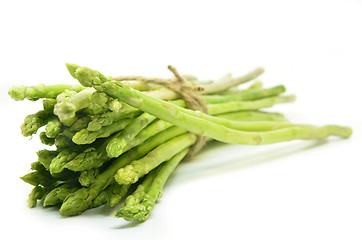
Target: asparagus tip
(129,213)
(65,110)
(75,203)
(51,199)
(17,92)
(126,175)
(72,68)
(115,148)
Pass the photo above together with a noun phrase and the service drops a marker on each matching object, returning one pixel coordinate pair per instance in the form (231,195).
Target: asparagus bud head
(86,76)
(17,92)
(75,203)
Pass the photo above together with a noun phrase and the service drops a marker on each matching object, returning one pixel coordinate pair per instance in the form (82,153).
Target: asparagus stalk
(108,118)
(53,127)
(33,122)
(101,199)
(115,147)
(244,95)
(256,85)
(88,159)
(36,193)
(58,194)
(137,196)
(81,123)
(85,136)
(33,93)
(101,103)
(58,163)
(36,178)
(115,193)
(48,105)
(44,139)
(87,177)
(128,134)
(63,141)
(141,211)
(45,157)
(137,169)
(227,83)
(137,84)
(253,115)
(214,109)
(133,200)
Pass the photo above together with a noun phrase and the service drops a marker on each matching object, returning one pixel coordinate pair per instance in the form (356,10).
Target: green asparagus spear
(67,106)
(115,193)
(214,109)
(63,141)
(45,157)
(141,211)
(101,199)
(112,195)
(58,194)
(44,139)
(101,103)
(132,201)
(36,178)
(247,95)
(106,119)
(85,136)
(48,105)
(53,127)
(33,122)
(33,93)
(229,82)
(58,163)
(87,177)
(253,115)
(88,159)
(137,196)
(35,194)
(81,123)
(116,145)
(137,169)
(256,85)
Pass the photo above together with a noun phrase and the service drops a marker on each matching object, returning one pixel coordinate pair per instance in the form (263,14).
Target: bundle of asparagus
(122,137)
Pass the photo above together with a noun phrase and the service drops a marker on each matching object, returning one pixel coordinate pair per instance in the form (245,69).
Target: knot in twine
(190,94)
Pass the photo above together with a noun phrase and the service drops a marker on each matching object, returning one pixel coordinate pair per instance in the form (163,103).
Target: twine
(190,94)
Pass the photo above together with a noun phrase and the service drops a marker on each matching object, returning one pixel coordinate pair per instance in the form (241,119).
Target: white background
(295,190)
